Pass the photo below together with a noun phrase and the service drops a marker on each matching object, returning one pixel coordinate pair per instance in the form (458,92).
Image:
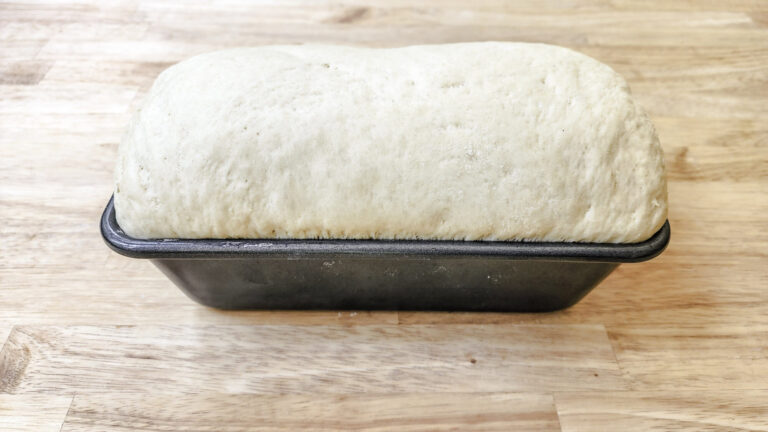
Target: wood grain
(365,412)
(677,343)
(715,150)
(33,413)
(317,359)
(24,72)
(693,356)
(663,411)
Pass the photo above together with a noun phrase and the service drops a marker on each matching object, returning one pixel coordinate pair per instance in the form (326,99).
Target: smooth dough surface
(491,141)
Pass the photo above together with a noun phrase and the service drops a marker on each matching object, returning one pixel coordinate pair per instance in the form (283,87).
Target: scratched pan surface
(382,274)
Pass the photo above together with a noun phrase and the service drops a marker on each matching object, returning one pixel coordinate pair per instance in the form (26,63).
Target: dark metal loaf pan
(382,274)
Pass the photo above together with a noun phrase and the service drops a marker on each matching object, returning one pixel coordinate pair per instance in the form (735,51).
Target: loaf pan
(382,274)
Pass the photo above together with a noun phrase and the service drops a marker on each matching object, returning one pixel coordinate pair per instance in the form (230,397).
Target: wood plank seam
(623,372)
(11,372)
(2,347)
(72,402)
(3,355)
(557,411)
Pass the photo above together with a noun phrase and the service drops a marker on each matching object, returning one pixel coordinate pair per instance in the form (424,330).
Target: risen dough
(493,141)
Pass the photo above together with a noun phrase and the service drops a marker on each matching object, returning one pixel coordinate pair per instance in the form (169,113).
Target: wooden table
(95,341)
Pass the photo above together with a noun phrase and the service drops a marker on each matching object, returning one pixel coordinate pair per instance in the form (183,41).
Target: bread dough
(471,141)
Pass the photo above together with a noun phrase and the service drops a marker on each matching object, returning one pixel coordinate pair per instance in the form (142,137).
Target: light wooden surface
(400,412)
(95,341)
(33,412)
